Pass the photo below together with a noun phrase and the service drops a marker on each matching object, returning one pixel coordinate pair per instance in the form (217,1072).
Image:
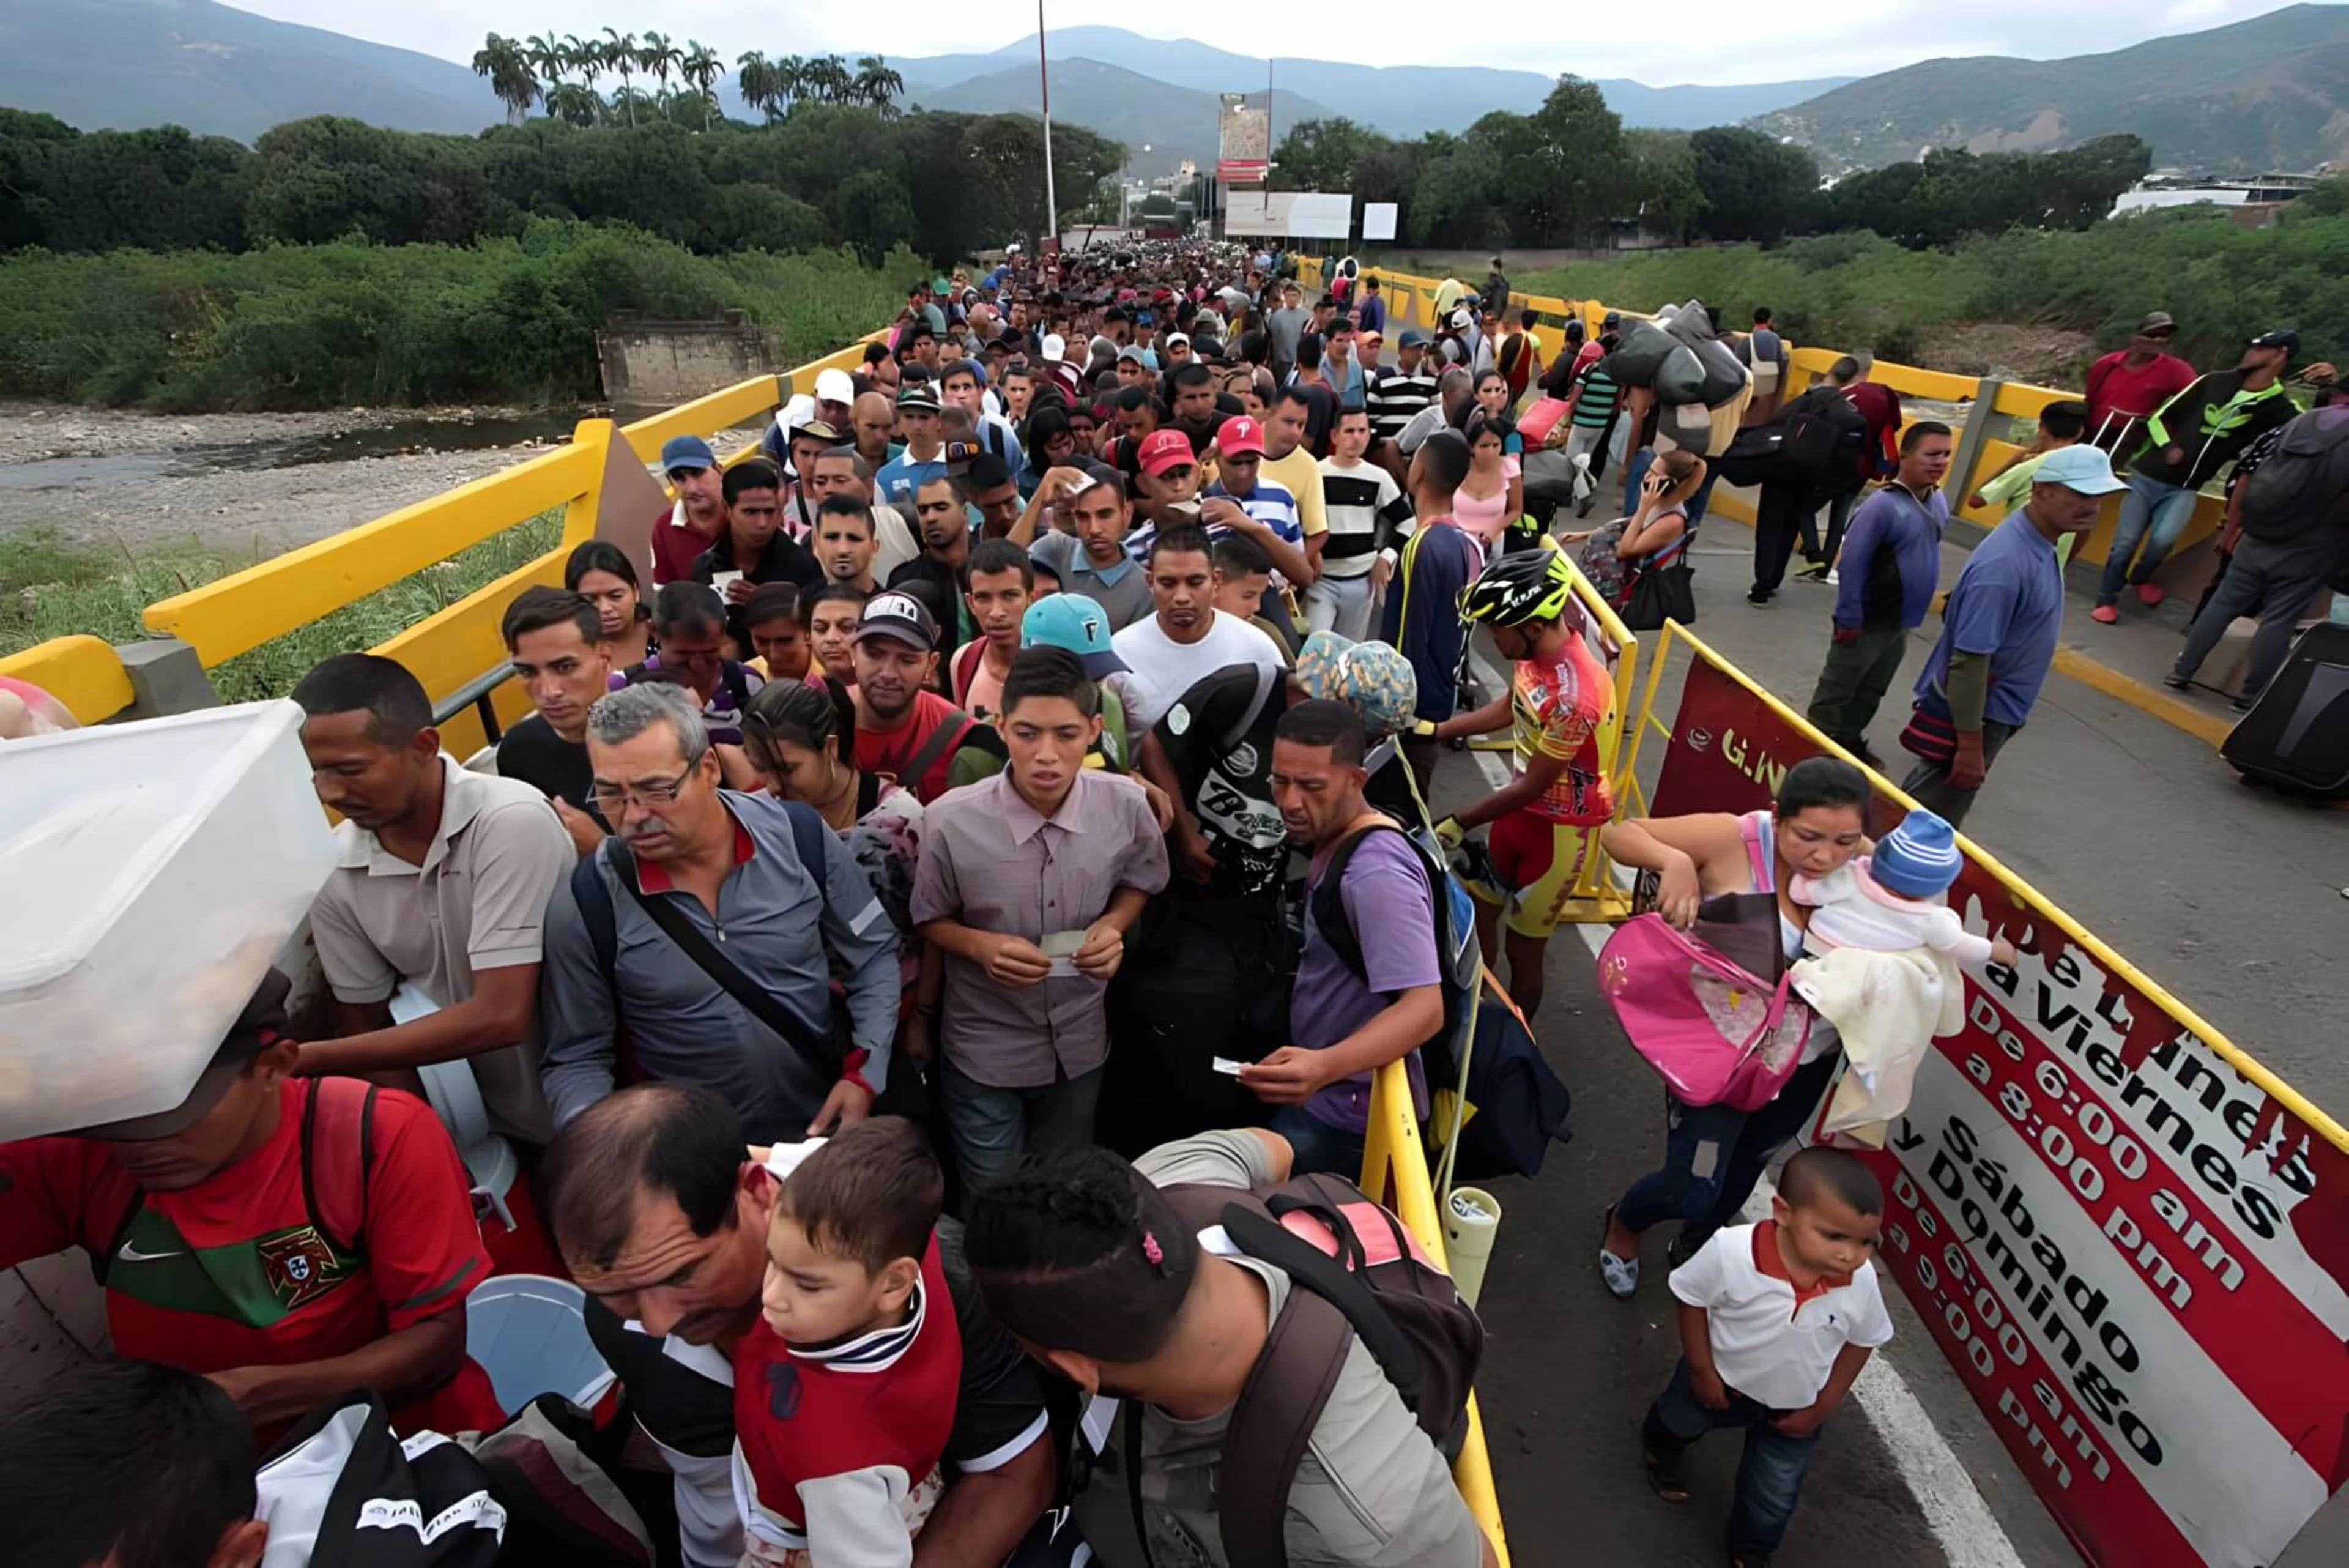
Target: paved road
(2227,897)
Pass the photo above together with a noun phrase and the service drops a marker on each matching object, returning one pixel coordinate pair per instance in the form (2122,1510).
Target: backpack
(338,1117)
(1458,958)
(1356,1272)
(2303,479)
(347,1487)
(1825,435)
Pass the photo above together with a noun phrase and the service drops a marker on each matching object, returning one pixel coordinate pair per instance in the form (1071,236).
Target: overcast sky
(1701,41)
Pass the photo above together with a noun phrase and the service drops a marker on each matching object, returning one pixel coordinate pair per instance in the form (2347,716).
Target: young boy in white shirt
(1776,1321)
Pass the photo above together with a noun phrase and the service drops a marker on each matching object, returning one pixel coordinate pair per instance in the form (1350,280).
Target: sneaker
(1817,572)
(1832,579)
(2151,594)
(2178,682)
(1621,1274)
(1757,595)
(1678,1250)
(2104,614)
(2243,704)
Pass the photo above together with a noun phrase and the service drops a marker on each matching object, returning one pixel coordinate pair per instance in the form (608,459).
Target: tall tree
(1754,186)
(759,81)
(503,61)
(702,67)
(619,52)
(574,103)
(659,57)
(584,55)
(548,59)
(877,85)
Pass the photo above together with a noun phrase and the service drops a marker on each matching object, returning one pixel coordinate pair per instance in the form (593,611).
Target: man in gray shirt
(1083,1257)
(1282,329)
(768,894)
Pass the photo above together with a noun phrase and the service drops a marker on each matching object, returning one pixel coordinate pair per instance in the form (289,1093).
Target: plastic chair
(530,1335)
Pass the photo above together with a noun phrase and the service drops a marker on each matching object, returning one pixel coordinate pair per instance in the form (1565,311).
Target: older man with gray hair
(701,930)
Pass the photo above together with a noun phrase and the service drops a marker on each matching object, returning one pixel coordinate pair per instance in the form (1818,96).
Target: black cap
(261,1025)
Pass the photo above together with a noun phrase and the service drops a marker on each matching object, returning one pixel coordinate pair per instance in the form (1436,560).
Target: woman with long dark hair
(602,573)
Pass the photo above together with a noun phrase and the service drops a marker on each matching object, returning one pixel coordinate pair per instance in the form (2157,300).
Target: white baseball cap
(834,387)
(1054,345)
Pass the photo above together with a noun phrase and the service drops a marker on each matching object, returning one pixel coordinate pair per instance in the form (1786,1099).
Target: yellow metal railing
(1394,1170)
(84,674)
(1410,301)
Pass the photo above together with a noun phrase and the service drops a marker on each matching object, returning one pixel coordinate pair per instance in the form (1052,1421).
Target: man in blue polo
(925,457)
(1997,634)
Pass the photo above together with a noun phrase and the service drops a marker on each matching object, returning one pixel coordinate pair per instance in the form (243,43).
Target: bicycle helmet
(1531,585)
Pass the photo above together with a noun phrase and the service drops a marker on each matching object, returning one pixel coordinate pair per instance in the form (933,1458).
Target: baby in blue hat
(1896,899)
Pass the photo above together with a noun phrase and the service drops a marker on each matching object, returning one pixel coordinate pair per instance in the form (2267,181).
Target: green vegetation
(969,182)
(1569,174)
(315,327)
(2224,283)
(49,589)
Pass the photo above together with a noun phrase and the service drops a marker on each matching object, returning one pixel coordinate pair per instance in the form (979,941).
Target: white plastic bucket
(530,1335)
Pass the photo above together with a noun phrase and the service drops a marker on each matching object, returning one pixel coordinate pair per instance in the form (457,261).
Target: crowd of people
(958,842)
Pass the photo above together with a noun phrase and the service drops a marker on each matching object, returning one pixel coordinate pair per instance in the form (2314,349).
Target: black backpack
(1825,434)
(2303,479)
(1370,1281)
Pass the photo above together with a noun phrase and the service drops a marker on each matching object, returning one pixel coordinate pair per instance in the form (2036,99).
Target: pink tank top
(1484,520)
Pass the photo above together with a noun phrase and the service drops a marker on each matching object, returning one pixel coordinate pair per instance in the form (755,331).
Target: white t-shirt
(1164,669)
(1768,1345)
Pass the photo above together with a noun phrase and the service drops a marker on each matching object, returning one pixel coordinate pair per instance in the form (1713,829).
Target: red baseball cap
(1162,449)
(1239,435)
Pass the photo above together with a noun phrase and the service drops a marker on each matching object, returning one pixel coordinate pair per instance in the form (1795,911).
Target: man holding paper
(1026,885)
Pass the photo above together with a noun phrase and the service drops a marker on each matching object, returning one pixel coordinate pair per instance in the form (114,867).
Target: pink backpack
(1718,1035)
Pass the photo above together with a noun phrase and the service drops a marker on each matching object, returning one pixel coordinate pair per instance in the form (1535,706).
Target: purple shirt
(1387,899)
(1891,560)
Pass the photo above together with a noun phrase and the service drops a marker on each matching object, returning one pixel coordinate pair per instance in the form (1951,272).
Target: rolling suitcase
(2297,734)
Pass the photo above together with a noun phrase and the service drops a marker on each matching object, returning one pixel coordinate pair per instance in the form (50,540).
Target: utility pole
(1044,73)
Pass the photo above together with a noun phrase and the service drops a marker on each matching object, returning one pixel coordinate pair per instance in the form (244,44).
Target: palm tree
(790,80)
(628,97)
(878,85)
(755,77)
(584,55)
(503,61)
(574,103)
(702,67)
(659,57)
(828,81)
(619,52)
(548,59)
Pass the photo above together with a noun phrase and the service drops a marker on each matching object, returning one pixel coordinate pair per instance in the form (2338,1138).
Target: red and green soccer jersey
(241,1270)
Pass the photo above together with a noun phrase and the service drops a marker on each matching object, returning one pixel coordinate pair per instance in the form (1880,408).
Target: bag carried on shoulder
(1663,587)
(1711,1028)
(1356,1272)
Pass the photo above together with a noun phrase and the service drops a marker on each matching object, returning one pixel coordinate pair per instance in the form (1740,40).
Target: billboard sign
(1244,142)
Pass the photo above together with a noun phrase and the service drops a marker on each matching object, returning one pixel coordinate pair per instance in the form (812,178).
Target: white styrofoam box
(149,874)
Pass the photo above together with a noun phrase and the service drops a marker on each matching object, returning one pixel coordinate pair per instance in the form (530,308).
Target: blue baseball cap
(689,452)
(1076,623)
(2082,468)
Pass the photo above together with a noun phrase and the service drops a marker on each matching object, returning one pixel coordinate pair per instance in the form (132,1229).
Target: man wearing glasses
(693,932)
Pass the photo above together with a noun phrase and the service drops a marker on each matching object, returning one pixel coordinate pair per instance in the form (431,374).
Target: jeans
(1341,605)
(1769,1475)
(2253,585)
(1713,1156)
(1783,508)
(993,1127)
(1853,681)
(1840,505)
(1318,1144)
(1929,784)
(2153,512)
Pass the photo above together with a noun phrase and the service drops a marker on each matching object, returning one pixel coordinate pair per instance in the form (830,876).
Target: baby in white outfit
(1897,899)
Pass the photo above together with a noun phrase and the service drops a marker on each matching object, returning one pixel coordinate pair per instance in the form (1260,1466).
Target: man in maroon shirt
(2128,385)
(699,517)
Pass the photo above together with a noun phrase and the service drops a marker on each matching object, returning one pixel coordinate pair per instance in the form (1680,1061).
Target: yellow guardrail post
(1595,899)
(1394,1170)
(592,437)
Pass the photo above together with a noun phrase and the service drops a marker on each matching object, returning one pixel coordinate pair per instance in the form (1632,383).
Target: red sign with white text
(2137,1258)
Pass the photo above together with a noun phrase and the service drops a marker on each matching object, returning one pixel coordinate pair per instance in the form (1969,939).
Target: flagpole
(1044,74)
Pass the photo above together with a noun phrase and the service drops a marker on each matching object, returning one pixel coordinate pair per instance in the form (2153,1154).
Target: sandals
(1621,1274)
(1667,1474)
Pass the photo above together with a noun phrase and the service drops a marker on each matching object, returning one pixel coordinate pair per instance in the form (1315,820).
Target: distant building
(2252,202)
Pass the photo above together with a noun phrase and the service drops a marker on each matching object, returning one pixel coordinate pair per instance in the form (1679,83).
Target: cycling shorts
(1541,859)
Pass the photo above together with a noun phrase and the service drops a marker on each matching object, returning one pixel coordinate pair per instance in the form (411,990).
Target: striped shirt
(1595,408)
(1396,395)
(1362,501)
(1268,504)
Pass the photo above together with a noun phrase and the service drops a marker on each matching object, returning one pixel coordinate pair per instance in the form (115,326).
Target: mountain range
(2268,93)
(2254,96)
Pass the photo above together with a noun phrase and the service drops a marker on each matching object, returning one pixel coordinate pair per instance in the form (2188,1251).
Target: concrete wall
(662,362)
